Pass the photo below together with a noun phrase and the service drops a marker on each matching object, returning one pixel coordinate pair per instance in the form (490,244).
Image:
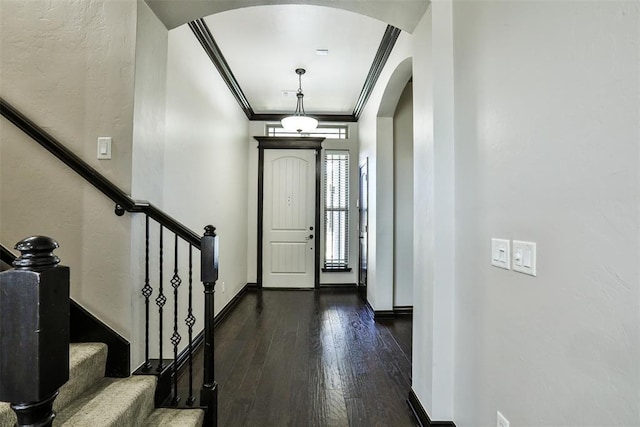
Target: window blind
(336,209)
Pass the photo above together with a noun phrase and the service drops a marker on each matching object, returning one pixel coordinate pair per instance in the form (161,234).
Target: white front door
(289,238)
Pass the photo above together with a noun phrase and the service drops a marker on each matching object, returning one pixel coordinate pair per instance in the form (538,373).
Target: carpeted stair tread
(113,402)
(166,417)
(86,367)
(87,362)
(7,417)
(89,399)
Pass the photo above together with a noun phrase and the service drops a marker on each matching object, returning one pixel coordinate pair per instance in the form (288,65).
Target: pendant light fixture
(299,121)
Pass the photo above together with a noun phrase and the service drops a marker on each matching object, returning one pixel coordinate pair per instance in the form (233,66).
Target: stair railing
(167,372)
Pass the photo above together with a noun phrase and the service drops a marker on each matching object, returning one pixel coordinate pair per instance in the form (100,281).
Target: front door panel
(288,218)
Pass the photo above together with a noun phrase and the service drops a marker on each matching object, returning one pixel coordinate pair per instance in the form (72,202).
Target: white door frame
(275,143)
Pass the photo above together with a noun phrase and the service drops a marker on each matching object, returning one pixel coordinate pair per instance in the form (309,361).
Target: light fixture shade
(299,123)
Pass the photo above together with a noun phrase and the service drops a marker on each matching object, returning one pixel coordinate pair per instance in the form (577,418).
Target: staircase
(91,399)
(35,324)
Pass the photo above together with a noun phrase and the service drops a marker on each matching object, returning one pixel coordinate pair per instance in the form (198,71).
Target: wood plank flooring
(310,358)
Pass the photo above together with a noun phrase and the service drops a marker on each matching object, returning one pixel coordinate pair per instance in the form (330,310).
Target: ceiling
(404,14)
(264,42)
(263,46)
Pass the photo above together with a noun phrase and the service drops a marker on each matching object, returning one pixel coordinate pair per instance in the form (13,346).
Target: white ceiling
(263,45)
(404,14)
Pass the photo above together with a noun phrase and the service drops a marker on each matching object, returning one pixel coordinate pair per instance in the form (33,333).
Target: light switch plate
(501,253)
(502,421)
(104,148)
(524,257)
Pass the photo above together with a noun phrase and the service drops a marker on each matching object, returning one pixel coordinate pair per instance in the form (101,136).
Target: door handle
(309,238)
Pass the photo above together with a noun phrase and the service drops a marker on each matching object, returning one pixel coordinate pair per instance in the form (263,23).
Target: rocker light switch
(524,257)
(104,148)
(501,253)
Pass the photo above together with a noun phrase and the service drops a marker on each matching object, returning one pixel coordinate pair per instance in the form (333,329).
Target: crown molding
(270,117)
(389,39)
(204,36)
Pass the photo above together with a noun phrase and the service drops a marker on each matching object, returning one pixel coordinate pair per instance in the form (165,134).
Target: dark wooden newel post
(34,331)
(209,276)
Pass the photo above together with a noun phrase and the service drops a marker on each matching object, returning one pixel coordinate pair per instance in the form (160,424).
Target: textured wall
(69,66)
(147,156)
(375,129)
(423,217)
(206,155)
(403,199)
(547,127)
(433,326)
(149,106)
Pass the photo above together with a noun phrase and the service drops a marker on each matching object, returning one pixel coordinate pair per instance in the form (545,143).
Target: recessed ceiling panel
(263,46)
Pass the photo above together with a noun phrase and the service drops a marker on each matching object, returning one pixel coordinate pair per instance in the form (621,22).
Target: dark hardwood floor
(310,358)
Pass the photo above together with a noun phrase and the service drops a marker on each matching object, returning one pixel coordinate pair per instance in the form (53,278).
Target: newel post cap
(36,253)
(209,230)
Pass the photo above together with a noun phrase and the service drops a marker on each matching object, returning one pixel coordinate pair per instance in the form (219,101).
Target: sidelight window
(336,209)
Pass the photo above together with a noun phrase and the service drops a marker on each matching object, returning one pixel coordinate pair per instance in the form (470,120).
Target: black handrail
(123,201)
(6,255)
(207,245)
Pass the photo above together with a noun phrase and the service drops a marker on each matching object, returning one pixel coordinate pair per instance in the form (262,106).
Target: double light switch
(522,259)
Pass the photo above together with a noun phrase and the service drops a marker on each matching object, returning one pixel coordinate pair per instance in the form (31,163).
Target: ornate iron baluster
(175,337)
(160,301)
(190,321)
(147,290)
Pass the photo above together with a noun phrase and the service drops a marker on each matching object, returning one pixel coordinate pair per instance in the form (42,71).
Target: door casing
(363,221)
(288,143)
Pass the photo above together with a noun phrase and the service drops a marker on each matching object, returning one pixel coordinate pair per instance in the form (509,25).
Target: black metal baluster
(160,301)
(190,321)
(175,337)
(146,292)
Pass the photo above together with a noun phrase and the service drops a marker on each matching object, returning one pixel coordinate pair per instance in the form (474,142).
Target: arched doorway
(174,14)
(385,191)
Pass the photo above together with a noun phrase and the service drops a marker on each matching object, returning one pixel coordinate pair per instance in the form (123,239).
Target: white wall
(433,327)
(423,217)
(403,199)
(70,69)
(547,104)
(350,144)
(375,129)
(442,305)
(149,107)
(205,160)
(147,180)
